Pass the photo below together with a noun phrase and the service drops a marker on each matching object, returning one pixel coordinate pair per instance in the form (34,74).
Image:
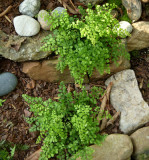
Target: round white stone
(125,26)
(30,7)
(26,26)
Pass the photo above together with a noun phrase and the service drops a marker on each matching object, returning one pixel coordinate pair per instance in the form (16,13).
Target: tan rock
(140,140)
(145,1)
(43,16)
(47,71)
(139,38)
(123,64)
(115,147)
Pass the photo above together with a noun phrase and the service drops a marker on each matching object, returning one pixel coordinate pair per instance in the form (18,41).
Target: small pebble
(8,83)
(43,19)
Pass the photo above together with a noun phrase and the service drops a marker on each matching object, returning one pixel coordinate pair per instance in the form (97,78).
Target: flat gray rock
(30,7)
(26,26)
(8,83)
(20,49)
(126,97)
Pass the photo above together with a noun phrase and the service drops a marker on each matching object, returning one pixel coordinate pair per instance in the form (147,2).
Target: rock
(93,2)
(145,1)
(126,98)
(140,140)
(47,71)
(8,83)
(43,16)
(114,13)
(134,9)
(21,49)
(140,36)
(124,25)
(30,7)
(26,26)
(59,10)
(115,147)
(123,64)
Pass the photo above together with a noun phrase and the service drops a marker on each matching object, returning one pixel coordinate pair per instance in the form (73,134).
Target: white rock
(43,16)
(126,98)
(125,26)
(59,10)
(30,7)
(26,26)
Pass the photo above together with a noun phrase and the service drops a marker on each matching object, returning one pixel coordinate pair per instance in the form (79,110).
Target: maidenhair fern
(86,43)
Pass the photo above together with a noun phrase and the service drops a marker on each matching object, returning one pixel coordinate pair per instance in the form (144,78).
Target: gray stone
(134,9)
(43,16)
(59,10)
(26,26)
(115,147)
(21,49)
(139,38)
(8,83)
(126,97)
(140,140)
(124,25)
(30,7)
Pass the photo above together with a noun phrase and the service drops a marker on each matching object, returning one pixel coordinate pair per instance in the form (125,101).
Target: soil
(13,126)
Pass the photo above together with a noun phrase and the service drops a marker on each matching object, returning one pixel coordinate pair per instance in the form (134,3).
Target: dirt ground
(13,126)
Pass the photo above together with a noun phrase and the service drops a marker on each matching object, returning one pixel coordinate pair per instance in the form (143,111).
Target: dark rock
(8,82)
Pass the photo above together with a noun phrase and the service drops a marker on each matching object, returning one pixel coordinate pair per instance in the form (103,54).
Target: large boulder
(126,97)
(21,49)
(140,140)
(47,71)
(134,9)
(139,38)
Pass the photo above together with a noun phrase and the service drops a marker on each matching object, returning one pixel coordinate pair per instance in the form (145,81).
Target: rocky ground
(13,126)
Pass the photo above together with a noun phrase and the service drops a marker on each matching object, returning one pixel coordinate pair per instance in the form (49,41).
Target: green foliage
(7,149)
(1,102)
(67,127)
(86,43)
(116,2)
(125,16)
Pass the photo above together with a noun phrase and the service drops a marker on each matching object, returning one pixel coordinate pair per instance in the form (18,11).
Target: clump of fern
(86,43)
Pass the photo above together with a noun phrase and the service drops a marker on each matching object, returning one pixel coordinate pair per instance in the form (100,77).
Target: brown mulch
(13,126)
